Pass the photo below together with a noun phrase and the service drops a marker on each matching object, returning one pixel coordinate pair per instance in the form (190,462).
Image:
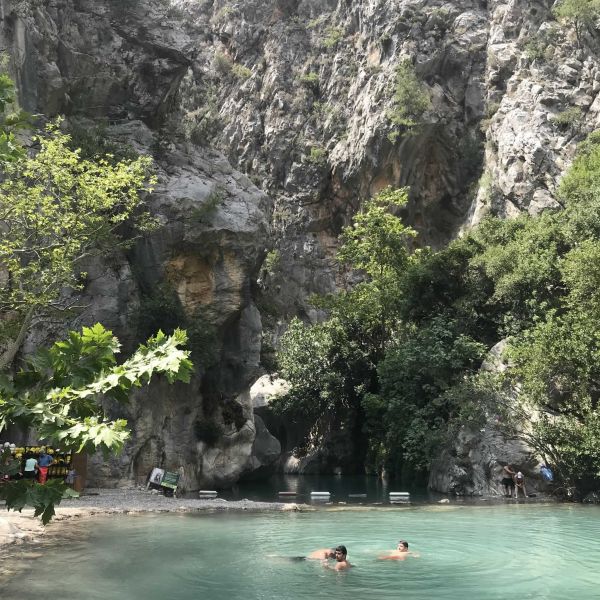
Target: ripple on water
(491,553)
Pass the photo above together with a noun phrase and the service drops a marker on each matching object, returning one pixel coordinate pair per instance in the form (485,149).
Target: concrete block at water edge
(320,496)
(207,494)
(399,497)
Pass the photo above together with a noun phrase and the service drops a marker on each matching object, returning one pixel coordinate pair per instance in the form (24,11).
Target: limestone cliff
(269,122)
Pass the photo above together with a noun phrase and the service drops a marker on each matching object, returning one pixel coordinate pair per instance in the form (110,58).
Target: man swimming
(341,561)
(322,554)
(400,553)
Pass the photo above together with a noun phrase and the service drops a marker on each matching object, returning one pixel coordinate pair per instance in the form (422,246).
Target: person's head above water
(340,553)
(330,553)
(403,546)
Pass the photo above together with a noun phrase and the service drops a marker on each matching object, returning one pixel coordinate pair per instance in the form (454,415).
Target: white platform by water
(207,494)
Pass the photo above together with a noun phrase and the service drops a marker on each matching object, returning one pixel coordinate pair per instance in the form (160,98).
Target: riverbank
(22,528)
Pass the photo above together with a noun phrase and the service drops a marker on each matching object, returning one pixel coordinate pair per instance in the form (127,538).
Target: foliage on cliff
(582,13)
(10,122)
(424,327)
(58,210)
(411,98)
(332,365)
(58,392)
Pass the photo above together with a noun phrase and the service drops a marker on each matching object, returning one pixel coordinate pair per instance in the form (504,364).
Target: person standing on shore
(520,485)
(31,468)
(508,480)
(44,462)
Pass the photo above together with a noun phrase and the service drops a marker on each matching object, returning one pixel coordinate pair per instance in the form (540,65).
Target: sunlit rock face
(99,63)
(269,123)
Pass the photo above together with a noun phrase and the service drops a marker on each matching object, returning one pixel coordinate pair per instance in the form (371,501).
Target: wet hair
(330,553)
(403,543)
(342,549)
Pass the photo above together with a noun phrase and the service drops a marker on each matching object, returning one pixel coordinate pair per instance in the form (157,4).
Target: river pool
(478,552)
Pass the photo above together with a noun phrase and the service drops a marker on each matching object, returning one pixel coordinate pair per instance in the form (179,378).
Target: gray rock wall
(282,108)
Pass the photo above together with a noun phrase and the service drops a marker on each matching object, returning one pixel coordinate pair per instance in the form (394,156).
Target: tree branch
(14,345)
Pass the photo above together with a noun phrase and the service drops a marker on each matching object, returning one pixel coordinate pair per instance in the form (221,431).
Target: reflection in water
(486,552)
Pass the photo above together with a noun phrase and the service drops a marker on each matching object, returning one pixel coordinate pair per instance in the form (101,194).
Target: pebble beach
(22,528)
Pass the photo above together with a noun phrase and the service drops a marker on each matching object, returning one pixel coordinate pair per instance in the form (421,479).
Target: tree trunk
(14,346)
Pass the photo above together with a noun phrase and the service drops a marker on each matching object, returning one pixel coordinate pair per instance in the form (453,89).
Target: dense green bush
(411,97)
(402,348)
(317,156)
(568,118)
(582,13)
(333,35)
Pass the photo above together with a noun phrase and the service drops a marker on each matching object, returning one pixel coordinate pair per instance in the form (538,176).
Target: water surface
(479,552)
(354,489)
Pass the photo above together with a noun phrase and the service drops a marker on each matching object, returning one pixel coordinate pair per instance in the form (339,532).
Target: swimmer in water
(400,553)
(322,554)
(341,561)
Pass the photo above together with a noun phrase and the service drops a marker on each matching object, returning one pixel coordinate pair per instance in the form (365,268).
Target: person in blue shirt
(44,461)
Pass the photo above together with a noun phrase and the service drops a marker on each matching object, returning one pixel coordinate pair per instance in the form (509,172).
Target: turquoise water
(479,552)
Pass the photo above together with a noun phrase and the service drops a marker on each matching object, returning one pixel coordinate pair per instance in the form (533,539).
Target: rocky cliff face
(103,64)
(269,122)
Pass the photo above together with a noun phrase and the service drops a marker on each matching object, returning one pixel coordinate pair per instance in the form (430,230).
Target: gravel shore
(19,528)
(141,500)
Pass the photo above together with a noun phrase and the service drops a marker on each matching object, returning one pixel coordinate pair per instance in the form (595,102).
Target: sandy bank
(19,528)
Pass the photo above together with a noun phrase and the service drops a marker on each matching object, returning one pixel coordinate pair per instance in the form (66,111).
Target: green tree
(305,360)
(331,365)
(10,122)
(59,392)
(520,257)
(554,351)
(582,13)
(376,245)
(411,97)
(557,365)
(408,419)
(56,211)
